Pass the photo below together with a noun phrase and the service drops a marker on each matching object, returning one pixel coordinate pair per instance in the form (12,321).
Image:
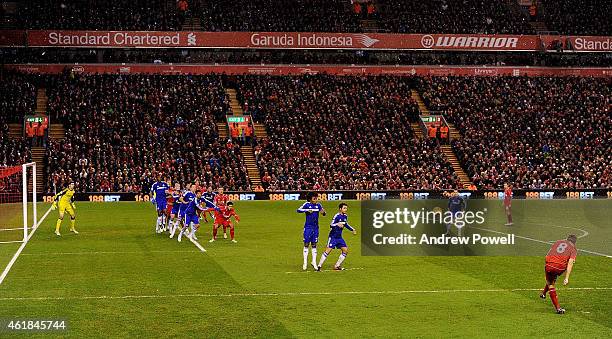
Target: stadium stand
(17,97)
(122,130)
(585,17)
(531,132)
(145,15)
(279,16)
(451,16)
(328,132)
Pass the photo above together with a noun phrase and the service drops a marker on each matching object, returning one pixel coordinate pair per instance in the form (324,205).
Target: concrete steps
(38,156)
(453,132)
(452,158)
(418,132)
(414,94)
(41,101)
(251,164)
(260,130)
(57,132)
(15,131)
(223,130)
(234,103)
(192,24)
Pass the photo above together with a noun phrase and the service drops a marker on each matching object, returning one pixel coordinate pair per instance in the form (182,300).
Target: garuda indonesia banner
(297,40)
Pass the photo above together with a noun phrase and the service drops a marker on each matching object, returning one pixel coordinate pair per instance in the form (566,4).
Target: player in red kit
(220,200)
(560,258)
(223,218)
(169,204)
(508,203)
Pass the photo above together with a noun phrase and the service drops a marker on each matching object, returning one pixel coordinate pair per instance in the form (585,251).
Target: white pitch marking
(293,294)
(11,242)
(584,233)
(105,252)
(197,244)
(23,245)
(540,241)
(346,269)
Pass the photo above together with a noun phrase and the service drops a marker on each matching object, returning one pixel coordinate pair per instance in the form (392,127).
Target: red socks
(214,233)
(545,290)
(232,232)
(553,297)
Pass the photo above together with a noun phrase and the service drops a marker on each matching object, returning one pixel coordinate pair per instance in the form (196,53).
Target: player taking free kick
(560,258)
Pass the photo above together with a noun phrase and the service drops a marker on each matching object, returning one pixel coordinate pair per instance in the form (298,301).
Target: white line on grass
(23,245)
(584,233)
(197,244)
(346,269)
(106,252)
(540,241)
(293,294)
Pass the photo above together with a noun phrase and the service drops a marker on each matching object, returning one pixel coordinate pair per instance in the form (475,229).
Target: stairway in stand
(416,128)
(251,164)
(452,158)
(417,97)
(247,151)
(223,131)
(38,156)
(446,149)
(260,130)
(234,104)
(57,132)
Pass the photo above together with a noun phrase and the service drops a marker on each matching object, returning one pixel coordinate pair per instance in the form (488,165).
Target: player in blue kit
(195,203)
(456,204)
(210,196)
(180,222)
(311,226)
(338,224)
(174,219)
(158,192)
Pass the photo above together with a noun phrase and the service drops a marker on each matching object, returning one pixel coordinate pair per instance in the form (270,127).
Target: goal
(18,215)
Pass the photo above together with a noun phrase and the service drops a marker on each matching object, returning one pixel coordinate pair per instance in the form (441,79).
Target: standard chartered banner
(479,228)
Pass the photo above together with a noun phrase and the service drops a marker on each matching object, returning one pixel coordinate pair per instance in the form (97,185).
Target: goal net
(17,202)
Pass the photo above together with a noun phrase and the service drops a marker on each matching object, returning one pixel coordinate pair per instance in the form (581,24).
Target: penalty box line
(540,241)
(23,245)
(294,294)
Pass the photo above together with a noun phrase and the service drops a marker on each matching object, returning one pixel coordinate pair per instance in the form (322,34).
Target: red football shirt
(507,196)
(220,200)
(559,254)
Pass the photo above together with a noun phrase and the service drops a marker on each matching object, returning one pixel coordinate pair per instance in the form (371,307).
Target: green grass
(243,290)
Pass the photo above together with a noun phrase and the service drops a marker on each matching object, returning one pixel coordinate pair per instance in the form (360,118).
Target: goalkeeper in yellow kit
(64,201)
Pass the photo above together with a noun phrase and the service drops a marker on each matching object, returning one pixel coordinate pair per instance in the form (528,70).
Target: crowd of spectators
(451,16)
(530,132)
(585,17)
(279,16)
(121,131)
(133,15)
(334,133)
(288,57)
(17,98)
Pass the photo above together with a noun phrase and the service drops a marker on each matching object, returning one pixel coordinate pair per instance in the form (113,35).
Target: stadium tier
(145,15)
(532,132)
(122,130)
(585,17)
(321,131)
(590,17)
(453,16)
(342,133)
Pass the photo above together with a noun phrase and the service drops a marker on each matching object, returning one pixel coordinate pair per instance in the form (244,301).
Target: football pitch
(117,278)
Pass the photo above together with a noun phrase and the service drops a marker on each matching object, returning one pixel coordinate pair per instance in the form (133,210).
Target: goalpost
(18,200)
